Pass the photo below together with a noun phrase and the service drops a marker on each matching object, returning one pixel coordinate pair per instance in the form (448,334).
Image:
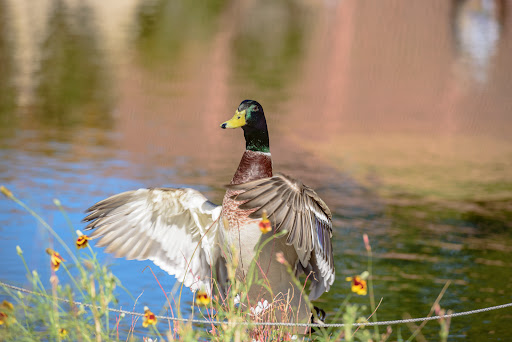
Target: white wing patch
(177,229)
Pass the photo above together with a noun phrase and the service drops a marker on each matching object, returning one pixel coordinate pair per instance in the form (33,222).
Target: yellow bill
(238,120)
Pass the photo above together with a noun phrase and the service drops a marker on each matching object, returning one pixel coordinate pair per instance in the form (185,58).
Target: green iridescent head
(251,118)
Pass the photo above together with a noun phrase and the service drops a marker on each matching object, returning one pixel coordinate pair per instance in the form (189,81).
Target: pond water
(398,114)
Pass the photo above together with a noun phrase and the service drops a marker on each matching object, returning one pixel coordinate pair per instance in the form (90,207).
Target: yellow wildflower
(264,224)
(3,318)
(358,285)
(82,241)
(149,318)
(202,298)
(6,318)
(55,259)
(63,333)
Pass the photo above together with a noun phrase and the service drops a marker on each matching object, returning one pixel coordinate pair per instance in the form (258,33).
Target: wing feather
(296,207)
(288,221)
(174,228)
(250,194)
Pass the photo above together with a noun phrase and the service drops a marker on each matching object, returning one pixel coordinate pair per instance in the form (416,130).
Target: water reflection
(7,72)
(267,46)
(166,28)
(73,83)
(477,26)
(361,102)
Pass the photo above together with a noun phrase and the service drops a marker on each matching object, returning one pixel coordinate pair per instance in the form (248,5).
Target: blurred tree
(166,28)
(7,70)
(72,84)
(268,47)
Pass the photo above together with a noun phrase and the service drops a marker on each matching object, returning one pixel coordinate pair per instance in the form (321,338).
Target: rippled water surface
(397,113)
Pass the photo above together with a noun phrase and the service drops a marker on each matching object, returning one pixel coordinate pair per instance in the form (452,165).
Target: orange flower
(82,241)
(55,259)
(358,285)
(264,224)
(149,318)
(202,298)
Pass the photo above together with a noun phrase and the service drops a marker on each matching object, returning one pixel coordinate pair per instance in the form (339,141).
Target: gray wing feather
(296,207)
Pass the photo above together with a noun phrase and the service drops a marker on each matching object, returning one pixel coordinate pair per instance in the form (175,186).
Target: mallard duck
(183,233)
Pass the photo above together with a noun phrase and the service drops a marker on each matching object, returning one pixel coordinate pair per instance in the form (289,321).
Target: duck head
(251,118)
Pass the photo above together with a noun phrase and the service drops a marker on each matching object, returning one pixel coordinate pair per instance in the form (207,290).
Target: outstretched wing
(296,207)
(175,228)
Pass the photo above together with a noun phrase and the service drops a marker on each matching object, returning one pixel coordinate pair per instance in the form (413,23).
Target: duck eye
(255,109)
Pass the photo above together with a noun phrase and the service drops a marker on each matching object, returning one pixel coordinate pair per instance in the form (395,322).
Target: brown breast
(253,166)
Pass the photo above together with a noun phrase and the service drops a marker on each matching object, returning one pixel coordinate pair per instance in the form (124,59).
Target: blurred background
(398,113)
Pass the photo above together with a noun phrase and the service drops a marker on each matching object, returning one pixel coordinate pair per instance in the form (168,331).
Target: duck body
(184,234)
(244,234)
